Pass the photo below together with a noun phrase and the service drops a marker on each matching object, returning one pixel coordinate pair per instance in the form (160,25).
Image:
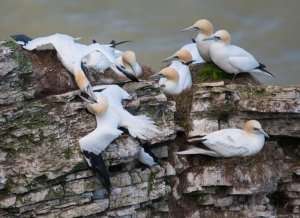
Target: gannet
(177,76)
(70,54)
(146,157)
(192,48)
(110,115)
(128,60)
(108,60)
(231,58)
(205,29)
(232,142)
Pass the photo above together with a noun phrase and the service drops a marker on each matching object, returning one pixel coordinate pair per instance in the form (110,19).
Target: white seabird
(146,157)
(128,60)
(193,50)
(110,60)
(205,29)
(231,58)
(70,54)
(177,76)
(232,142)
(111,115)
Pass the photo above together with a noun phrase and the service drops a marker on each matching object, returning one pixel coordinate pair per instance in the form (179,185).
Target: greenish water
(268,29)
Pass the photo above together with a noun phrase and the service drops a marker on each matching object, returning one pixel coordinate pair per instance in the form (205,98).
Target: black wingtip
(128,75)
(21,38)
(94,41)
(113,43)
(193,40)
(99,168)
(262,67)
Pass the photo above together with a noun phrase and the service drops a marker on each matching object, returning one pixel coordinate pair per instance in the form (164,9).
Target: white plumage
(192,48)
(176,77)
(204,28)
(231,58)
(110,115)
(232,142)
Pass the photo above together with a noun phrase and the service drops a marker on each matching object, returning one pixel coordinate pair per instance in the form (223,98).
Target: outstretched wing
(139,126)
(38,42)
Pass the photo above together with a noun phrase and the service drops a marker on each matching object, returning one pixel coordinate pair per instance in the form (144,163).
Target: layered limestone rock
(44,174)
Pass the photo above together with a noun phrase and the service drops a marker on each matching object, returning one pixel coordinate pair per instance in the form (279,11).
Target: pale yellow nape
(98,108)
(224,36)
(205,26)
(81,80)
(250,125)
(184,55)
(170,73)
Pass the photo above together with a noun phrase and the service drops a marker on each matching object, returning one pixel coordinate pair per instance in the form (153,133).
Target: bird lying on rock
(101,61)
(110,116)
(70,54)
(232,142)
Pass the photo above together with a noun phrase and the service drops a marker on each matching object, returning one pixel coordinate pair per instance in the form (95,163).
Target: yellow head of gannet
(203,25)
(224,36)
(254,127)
(170,73)
(182,55)
(130,63)
(84,84)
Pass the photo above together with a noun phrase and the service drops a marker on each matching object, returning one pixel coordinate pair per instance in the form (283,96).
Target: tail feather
(198,151)
(97,165)
(21,38)
(142,127)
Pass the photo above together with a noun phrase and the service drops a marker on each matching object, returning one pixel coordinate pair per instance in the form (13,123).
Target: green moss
(68,153)
(251,91)
(221,111)
(210,72)
(24,64)
(150,182)
(11,44)
(40,179)
(55,192)
(202,199)
(78,167)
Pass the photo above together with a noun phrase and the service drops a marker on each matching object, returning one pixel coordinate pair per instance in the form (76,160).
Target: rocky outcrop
(43,173)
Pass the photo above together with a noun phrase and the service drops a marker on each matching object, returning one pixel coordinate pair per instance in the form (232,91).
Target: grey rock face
(44,174)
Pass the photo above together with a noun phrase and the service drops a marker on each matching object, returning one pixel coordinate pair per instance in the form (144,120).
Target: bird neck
(81,80)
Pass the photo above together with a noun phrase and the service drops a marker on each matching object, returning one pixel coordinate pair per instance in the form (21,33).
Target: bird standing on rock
(231,58)
(232,142)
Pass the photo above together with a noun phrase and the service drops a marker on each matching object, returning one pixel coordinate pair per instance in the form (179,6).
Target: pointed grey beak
(86,100)
(264,133)
(189,29)
(211,38)
(172,58)
(155,75)
(90,92)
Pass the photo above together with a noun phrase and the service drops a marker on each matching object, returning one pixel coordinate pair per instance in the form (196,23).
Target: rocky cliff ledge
(43,173)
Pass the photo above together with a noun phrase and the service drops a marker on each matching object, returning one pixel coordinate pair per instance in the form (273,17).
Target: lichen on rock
(43,172)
